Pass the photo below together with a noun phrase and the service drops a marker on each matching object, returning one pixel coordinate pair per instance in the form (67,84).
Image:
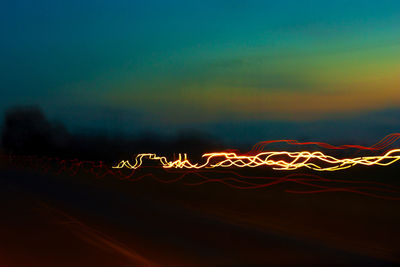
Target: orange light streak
(278,160)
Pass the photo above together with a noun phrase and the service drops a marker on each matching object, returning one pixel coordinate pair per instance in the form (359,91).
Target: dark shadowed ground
(82,221)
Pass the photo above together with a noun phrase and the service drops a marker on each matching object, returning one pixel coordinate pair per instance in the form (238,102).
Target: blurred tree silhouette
(27,131)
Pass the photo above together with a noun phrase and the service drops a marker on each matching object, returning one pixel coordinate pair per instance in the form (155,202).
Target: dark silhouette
(27,131)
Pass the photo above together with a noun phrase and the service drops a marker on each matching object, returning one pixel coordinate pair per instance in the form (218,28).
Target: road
(79,221)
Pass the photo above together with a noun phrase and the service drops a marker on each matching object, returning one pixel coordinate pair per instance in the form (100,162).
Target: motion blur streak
(195,177)
(296,160)
(228,168)
(383,143)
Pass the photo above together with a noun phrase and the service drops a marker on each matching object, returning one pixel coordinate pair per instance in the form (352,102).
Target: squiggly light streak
(195,177)
(278,160)
(383,143)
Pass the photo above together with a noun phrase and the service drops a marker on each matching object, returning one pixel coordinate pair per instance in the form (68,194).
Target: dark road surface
(68,221)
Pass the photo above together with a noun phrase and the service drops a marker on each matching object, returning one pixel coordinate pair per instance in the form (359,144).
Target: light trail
(229,168)
(278,160)
(383,143)
(305,183)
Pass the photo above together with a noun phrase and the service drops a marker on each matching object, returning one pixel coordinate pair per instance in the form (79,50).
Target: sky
(158,64)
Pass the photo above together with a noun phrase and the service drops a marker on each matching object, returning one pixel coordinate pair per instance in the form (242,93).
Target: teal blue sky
(192,62)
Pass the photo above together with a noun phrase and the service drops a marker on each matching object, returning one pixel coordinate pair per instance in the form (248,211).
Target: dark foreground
(49,220)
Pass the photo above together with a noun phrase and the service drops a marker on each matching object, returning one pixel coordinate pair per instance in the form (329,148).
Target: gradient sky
(188,62)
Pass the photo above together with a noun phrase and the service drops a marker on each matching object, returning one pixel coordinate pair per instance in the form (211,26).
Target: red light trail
(278,160)
(228,167)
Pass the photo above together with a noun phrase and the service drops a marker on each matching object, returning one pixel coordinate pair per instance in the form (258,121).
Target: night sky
(241,70)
